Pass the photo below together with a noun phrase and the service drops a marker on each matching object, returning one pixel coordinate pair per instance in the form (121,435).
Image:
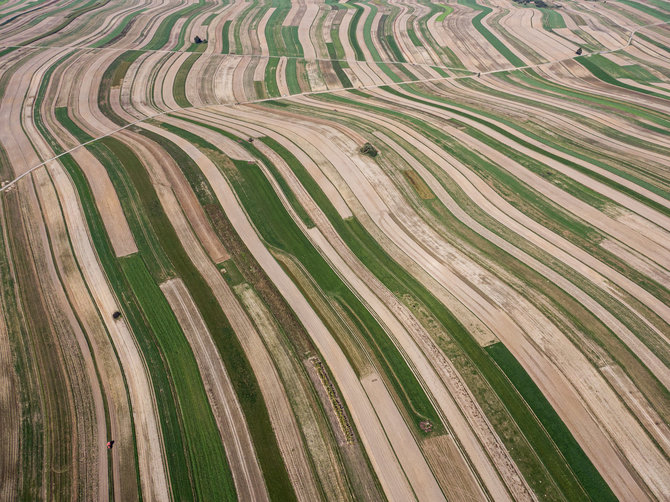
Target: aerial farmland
(335,250)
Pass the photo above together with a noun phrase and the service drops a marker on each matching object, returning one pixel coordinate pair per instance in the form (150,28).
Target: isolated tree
(368,149)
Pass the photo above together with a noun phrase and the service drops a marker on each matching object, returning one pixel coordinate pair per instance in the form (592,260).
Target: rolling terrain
(335,250)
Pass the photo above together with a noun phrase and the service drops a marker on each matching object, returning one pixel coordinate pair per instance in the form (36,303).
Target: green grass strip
(493,40)
(179,84)
(225,38)
(590,64)
(447,9)
(292,76)
(581,465)
(212,477)
(271,78)
(353,25)
(647,9)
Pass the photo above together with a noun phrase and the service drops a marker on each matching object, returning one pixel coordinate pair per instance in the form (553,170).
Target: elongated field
(326,250)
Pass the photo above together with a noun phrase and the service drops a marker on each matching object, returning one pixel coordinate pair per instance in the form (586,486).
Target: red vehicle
(110,444)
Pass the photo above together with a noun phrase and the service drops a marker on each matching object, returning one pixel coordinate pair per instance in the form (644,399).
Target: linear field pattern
(335,250)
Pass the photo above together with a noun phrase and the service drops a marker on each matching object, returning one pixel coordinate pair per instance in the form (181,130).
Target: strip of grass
(582,466)
(447,9)
(162,34)
(597,70)
(271,77)
(119,30)
(412,36)
(337,66)
(493,40)
(179,84)
(353,25)
(292,41)
(238,367)
(292,76)
(211,475)
(552,19)
(225,41)
(663,16)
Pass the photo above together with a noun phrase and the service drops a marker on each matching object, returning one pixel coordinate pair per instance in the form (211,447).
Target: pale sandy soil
(78,357)
(153,475)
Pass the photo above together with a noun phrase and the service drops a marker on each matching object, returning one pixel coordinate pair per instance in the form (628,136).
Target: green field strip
(237,26)
(179,84)
(292,76)
(492,39)
(32,433)
(337,66)
(211,476)
(225,38)
(596,68)
(119,31)
(552,19)
(412,36)
(181,42)
(162,34)
(292,41)
(402,283)
(271,78)
(388,40)
(646,39)
(113,76)
(581,465)
(353,25)
(238,367)
(662,16)
(446,10)
(367,33)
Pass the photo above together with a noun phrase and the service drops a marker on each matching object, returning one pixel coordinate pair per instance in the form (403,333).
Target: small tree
(197,39)
(369,150)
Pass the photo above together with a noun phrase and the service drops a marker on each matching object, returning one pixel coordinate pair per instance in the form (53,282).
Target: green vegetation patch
(588,475)
(179,84)
(477,23)
(211,476)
